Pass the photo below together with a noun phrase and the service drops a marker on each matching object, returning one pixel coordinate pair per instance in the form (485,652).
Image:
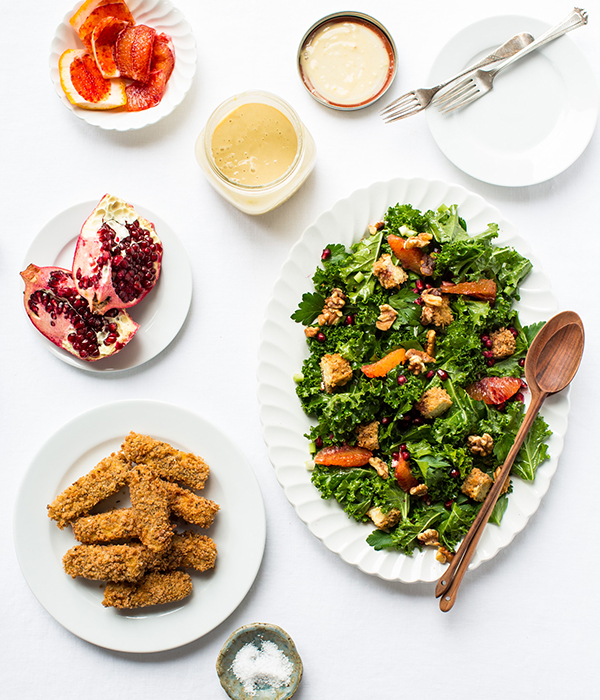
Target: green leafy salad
(414,376)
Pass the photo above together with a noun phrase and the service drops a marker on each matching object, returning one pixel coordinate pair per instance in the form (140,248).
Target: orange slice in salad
(343,456)
(494,390)
(93,11)
(84,85)
(143,96)
(133,52)
(104,39)
(383,366)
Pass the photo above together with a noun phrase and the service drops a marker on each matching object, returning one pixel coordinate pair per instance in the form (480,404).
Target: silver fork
(417,100)
(481,81)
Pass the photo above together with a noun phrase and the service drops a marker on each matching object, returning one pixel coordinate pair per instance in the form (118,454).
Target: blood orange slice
(133,52)
(494,390)
(383,366)
(92,11)
(84,85)
(343,456)
(104,39)
(143,96)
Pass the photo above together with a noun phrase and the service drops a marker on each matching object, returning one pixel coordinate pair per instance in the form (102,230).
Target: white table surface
(525,625)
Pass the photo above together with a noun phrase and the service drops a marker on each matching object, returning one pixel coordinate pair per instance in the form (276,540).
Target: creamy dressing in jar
(254,145)
(347,61)
(255,151)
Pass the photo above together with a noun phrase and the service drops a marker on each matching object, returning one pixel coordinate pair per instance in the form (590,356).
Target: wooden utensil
(552,362)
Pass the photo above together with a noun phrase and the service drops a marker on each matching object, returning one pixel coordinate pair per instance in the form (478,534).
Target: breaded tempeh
(194,509)
(151,505)
(188,550)
(103,481)
(166,461)
(154,589)
(105,527)
(114,562)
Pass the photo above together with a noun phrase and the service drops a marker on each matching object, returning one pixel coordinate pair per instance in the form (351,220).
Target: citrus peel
(85,86)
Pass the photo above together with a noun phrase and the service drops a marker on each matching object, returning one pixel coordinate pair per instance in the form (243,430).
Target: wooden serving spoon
(552,362)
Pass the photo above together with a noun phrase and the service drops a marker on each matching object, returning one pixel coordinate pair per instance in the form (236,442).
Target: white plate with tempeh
(238,529)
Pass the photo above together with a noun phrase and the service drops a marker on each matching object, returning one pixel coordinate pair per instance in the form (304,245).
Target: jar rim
(249,97)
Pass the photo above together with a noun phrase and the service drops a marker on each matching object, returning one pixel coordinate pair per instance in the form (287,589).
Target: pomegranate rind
(58,327)
(133,52)
(344,456)
(93,11)
(145,96)
(494,390)
(387,363)
(94,281)
(78,72)
(104,39)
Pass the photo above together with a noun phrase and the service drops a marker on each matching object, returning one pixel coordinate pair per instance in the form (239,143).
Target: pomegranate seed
(442,374)
(417,420)
(403,446)
(519,396)
(501,406)
(385,420)
(430,374)
(319,443)
(395,456)
(514,331)
(349,320)
(401,379)
(490,362)
(454,473)
(522,362)
(326,254)
(419,301)
(488,353)
(419,285)
(405,455)
(524,386)
(485,339)
(488,343)
(321,337)
(448,504)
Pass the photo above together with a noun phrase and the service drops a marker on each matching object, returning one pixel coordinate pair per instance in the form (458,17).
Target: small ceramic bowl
(256,634)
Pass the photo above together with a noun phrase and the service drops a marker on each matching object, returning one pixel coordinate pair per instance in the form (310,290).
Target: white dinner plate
(539,116)
(160,314)
(283,348)
(238,530)
(160,15)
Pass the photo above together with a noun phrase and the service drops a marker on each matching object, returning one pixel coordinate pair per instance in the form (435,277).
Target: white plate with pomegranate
(238,531)
(165,18)
(160,314)
(283,349)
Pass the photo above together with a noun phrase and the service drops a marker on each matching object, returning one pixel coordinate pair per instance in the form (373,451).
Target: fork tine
(450,94)
(457,96)
(400,102)
(465,100)
(402,114)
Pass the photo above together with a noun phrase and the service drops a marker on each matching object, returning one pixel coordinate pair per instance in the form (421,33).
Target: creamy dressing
(347,63)
(254,145)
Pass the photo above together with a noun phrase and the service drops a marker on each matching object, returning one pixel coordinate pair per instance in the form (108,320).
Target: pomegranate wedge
(117,257)
(58,311)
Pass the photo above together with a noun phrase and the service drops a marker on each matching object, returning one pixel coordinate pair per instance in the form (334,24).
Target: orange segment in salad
(343,456)
(383,366)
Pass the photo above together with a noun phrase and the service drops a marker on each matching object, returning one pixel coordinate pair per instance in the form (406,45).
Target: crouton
(367,435)
(503,344)
(384,521)
(389,275)
(434,402)
(477,485)
(335,371)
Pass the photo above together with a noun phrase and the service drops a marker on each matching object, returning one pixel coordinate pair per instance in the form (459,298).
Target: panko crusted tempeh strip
(188,550)
(154,589)
(114,562)
(166,461)
(113,525)
(78,499)
(194,509)
(151,505)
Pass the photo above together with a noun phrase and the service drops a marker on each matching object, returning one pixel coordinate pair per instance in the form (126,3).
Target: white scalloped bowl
(283,348)
(162,16)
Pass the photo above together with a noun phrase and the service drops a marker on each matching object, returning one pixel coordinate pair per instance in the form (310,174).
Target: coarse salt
(259,666)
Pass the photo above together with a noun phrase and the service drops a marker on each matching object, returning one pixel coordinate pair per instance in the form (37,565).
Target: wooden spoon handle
(449,583)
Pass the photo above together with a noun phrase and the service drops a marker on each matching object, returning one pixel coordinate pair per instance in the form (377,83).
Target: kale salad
(414,377)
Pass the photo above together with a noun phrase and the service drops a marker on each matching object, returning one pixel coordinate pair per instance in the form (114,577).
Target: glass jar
(263,196)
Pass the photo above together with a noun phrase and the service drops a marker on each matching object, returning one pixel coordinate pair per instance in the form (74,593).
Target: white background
(525,625)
